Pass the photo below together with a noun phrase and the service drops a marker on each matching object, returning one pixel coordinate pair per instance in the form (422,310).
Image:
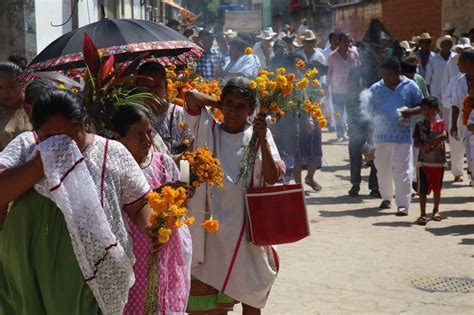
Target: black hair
(8,67)
(408,66)
(172,23)
(188,32)
(287,40)
(240,85)
(35,88)
(391,63)
(467,56)
(152,67)
(58,102)
(342,36)
(125,117)
(20,61)
(332,35)
(239,43)
(430,101)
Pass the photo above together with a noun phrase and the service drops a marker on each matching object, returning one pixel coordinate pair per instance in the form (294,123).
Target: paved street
(361,260)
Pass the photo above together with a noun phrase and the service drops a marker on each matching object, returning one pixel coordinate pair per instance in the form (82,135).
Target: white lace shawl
(68,183)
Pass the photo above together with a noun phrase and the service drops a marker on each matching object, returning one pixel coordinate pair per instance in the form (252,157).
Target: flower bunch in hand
(204,167)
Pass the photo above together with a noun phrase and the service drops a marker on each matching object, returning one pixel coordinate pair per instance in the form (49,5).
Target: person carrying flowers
(133,129)
(227,269)
(169,116)
(64,246)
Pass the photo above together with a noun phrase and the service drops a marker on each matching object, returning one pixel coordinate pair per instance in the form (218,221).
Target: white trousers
(394,163)
(457,148)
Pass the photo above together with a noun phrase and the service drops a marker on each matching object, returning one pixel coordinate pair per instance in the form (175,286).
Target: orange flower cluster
(168,213)
(315,111)
(205,168)
(467,108)
(179,84)
(280,92)
(211,225)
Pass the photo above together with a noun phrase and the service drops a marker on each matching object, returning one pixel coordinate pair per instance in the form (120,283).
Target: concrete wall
(461,12)
(17,28)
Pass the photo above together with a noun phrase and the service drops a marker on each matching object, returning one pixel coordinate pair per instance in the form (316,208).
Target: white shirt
(258,51)
(434,74)
(460,90)
(327,51)
(246,66)
(449,76)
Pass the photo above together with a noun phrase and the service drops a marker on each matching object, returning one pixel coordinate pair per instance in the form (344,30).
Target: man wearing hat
(436,67)
(424,53)
(449,29)
(263,49)
(210,60)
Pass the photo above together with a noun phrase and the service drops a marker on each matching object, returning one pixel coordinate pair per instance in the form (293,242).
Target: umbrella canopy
(125,38)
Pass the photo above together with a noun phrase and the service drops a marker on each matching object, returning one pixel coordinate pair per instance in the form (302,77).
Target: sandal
(436,217)
(312,183)
(422,220)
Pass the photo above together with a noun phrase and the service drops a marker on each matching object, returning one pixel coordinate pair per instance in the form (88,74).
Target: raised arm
(196,100)
(17,180)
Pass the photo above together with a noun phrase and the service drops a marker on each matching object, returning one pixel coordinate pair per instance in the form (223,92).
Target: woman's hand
(260,127)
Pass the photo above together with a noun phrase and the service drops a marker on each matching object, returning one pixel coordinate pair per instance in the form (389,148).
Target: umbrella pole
(102,9)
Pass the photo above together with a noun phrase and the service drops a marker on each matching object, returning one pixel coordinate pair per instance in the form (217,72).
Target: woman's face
(138,139)
(236,109)
(234,52)
(157,86)
(59,125)
(10,91)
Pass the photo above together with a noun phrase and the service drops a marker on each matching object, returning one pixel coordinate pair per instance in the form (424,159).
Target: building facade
(403,18)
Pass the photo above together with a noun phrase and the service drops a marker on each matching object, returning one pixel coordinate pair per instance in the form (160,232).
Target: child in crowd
(429,137)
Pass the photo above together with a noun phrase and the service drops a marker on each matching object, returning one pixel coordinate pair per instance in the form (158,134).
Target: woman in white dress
(227,269)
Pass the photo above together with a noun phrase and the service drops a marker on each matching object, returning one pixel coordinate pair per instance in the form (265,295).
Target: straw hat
(424,36)
(230,33)
(414,40)
(463,43)
(308,35)
(297,41)
(267,33)
(445,38)
(405,45)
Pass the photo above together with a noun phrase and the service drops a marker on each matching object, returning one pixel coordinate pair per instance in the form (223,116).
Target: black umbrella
(125,38)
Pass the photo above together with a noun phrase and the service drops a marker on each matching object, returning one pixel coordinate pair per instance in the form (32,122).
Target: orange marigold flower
(253,85)
(211,225)
(189,220)
(300,64)
(248,51)
(323,123)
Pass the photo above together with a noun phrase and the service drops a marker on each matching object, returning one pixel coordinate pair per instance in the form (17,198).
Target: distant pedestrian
(211,60)
(340,63)
(429,137)
(424,54)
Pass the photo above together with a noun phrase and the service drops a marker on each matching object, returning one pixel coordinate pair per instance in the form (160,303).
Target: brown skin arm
(454,118)
(24,177)
(470,127)
(139,212)
(197,100)
(270,169)
(411,111)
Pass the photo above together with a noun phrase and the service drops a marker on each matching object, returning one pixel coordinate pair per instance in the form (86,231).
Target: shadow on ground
(394,224)
(455,230)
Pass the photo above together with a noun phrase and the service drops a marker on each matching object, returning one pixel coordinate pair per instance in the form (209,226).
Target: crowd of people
(398,107)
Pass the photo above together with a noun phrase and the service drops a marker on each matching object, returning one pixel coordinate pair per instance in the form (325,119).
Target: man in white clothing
(436,67)
(263,49)
(460,90)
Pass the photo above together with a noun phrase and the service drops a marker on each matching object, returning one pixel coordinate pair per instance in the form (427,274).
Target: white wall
(47,12)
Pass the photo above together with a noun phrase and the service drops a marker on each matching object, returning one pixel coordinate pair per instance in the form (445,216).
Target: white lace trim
(102,259)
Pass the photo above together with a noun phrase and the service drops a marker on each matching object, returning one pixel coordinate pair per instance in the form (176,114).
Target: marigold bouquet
(467,106)
(282,93)
(169,213)
(205,168)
